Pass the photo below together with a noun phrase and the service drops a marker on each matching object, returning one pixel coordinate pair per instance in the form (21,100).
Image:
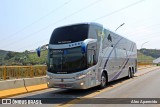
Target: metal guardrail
(15,72)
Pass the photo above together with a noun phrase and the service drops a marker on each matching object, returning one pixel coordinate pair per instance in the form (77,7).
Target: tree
(9,55)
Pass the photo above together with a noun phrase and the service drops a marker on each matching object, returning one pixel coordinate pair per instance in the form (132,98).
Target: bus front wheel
(103,81)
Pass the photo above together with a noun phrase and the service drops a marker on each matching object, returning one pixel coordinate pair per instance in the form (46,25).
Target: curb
(147,72)
(145,67)
(22,90)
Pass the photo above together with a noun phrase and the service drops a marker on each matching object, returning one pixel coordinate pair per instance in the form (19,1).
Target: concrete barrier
(11,84)
(20,86)
(35,81)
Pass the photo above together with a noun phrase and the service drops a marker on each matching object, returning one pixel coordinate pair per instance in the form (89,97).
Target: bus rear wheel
(103,81)
(130,74)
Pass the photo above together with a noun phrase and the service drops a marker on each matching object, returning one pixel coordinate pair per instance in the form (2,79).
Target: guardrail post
(4,73)
(17,73)
(31,72)
(26,73)
(45,71)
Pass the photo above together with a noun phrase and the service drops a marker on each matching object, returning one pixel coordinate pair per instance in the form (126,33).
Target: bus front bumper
(68,83)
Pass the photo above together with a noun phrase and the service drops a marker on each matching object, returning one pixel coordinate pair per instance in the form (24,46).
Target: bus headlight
(80,76)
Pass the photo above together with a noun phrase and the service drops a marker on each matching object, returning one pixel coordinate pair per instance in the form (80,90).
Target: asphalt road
(144,85)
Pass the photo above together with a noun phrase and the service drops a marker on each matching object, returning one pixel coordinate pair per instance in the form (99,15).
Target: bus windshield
(69,34)
(67,60)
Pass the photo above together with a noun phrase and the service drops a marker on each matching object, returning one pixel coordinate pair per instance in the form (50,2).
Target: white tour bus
(85,55)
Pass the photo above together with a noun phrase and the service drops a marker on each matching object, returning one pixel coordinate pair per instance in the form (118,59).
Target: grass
(144,58)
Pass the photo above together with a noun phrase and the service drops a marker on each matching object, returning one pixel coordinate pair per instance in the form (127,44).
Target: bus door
(91,55)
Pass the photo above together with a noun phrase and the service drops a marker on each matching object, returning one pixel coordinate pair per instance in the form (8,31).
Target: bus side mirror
(85,43)
(38,51)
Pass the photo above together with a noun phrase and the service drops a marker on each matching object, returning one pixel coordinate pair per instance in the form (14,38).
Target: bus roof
(89,23)
(94,23)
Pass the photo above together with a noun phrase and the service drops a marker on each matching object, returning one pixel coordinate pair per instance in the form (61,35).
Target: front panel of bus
(68,65)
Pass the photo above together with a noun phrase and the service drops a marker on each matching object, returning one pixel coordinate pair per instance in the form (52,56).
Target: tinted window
(69,34)
(67,60)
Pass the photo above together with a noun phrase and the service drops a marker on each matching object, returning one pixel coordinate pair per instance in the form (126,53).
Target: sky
(28,24)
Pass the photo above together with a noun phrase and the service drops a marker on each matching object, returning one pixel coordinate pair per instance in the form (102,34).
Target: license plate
(62,85)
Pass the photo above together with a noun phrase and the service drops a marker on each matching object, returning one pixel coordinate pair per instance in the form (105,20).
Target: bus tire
(130,74)
(133,72)
(103,81)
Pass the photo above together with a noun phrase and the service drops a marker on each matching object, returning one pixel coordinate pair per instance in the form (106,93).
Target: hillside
(155,53)
(144,58)
(3,53)
(22,58)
